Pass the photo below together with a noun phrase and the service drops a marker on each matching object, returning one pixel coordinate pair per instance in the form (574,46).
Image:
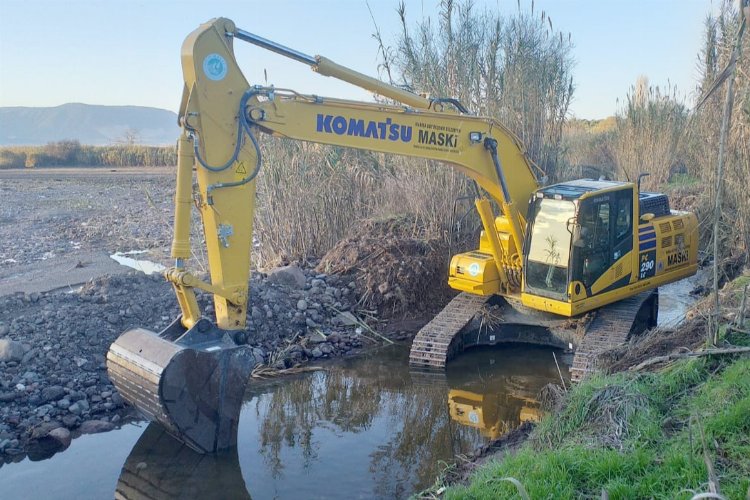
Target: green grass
(678,180)
(635,436)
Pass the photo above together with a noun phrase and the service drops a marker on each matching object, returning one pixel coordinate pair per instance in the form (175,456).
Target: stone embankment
(53,378)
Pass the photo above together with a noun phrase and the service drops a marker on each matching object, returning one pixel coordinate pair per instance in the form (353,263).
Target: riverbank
(63,300)
(653,428)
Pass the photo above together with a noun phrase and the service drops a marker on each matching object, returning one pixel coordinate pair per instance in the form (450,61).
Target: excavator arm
(221,115)
(191,377)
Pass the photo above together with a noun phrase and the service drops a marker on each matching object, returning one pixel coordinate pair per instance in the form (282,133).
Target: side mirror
(647,217)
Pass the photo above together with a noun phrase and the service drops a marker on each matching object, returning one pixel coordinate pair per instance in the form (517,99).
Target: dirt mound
(687,337)
(397,267)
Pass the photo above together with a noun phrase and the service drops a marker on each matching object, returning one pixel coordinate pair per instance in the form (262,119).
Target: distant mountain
(89,124)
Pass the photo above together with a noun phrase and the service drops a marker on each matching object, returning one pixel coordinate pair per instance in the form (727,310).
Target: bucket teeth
(193,386)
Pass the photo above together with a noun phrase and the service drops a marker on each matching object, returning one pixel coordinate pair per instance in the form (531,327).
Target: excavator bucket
(191,382)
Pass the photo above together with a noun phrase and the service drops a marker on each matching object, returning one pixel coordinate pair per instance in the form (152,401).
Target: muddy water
(359,428)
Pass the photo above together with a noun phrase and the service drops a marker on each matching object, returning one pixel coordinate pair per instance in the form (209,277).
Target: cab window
(592,247)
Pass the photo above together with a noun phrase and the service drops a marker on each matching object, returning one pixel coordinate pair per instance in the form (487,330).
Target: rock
(11,350)
(4,330)
(316,338)
(52,393)
(43,410)
(7,397)
(79,407)
(70,421)
(95,426)
(113,319)
(61,435)
(347,319)
(302,304)
(326,348)
(29,355)
(316,353)
(291,276)
(63,404)
(258,356)
(43,430)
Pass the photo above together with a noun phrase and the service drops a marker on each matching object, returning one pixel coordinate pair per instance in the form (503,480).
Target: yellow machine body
(660,249)
(221,115)
(492,414)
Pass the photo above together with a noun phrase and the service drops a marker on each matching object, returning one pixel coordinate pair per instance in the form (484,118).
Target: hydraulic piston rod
(326,67)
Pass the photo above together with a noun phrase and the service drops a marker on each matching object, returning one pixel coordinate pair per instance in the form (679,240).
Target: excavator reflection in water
(496,401)
(492,414)
(159,468)
(369,418)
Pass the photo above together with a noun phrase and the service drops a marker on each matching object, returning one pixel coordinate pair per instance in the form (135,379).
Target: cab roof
(572,190)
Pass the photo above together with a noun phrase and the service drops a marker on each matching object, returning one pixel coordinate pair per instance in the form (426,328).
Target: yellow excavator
(546,254)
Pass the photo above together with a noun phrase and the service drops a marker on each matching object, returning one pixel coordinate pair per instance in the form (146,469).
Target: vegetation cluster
(71,153)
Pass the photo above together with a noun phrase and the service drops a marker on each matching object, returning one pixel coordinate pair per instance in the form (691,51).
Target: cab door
(605,236)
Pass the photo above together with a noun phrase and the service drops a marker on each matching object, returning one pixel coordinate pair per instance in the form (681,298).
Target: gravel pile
(53,379)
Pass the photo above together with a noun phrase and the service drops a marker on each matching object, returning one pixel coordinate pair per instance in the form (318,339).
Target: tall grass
(648,134)
(516,69)
(310,195)
(718,39)
(656,132)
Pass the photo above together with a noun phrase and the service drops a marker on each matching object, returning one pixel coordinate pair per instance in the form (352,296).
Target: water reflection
(490,413)
(373,420)
(160,467)
(361,428)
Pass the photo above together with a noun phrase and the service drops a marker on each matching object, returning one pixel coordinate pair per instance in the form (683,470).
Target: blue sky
(127,52)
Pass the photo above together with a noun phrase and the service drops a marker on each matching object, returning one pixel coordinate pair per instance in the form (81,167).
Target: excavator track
(432,347)
(610,328)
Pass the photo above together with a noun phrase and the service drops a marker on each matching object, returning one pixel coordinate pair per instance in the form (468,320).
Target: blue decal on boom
(386,130)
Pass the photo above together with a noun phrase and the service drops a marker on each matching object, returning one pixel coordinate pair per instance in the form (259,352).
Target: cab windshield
(549,247)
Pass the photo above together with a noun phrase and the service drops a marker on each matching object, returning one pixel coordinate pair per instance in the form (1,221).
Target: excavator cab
(588,239)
